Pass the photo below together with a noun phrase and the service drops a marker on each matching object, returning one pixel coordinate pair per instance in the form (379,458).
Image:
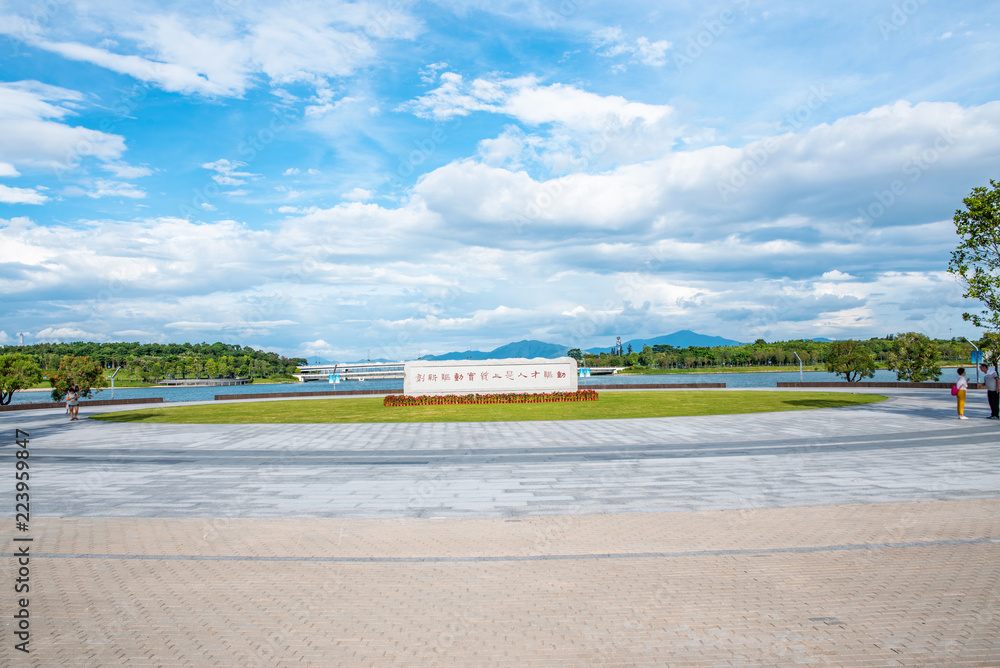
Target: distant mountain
(322,360)
(530,349)
(526,349)
(823,339)
(682,339)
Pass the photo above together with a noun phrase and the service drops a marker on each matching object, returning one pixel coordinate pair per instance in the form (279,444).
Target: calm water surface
(208,393)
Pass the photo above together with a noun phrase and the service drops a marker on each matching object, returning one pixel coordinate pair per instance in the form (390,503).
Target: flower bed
(505,398)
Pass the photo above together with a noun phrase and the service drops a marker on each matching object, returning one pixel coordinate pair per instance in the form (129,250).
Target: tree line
(82,366)
(882,352)
(149,362)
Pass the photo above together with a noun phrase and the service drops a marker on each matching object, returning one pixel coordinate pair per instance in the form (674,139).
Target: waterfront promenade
(860,536)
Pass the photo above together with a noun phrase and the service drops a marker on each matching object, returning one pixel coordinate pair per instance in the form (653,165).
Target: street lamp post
(800,364)
(976,364)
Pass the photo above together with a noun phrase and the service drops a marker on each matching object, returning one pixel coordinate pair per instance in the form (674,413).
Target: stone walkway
(866,536)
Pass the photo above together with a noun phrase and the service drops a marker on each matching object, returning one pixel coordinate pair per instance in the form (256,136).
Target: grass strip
(611,405)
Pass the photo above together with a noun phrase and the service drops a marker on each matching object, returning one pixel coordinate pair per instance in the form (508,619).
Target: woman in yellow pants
(963,385)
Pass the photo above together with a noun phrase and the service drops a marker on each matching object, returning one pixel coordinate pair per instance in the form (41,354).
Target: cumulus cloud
(824,173)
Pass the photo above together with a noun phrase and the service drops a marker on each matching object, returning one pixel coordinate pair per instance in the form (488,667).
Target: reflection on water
(208,393)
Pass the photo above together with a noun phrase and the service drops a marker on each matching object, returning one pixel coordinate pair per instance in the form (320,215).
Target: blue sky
(400,178)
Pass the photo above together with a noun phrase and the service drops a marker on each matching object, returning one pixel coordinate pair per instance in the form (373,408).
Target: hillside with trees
(761,354)
(149,362)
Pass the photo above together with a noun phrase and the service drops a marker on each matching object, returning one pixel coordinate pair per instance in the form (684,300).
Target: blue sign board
(977,356)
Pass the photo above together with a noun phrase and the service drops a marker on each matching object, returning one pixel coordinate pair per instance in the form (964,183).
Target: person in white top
(992,393)
(963,385)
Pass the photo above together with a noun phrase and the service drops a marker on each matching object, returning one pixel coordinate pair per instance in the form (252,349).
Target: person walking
(73,401)
(962,385)
(992,390)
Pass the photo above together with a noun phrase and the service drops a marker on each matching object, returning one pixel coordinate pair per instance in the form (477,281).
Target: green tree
(576,354)
(851,359)
(17,372)
(990,345)
(976,261)
(914,358)
(81,374)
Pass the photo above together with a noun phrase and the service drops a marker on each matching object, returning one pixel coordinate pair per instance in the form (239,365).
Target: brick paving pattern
(872,540)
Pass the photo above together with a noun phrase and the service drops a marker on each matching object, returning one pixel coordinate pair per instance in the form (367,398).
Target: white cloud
(106,188)
(7,169)
(173,77)
(291,171)
(358,195)
(613,44)
(57,334)
(715,191)
(197,53)
(124,171)
(9,195)
(33,132)
(571,129)
(227,173)
(299,209)
(429,73)
(525,99)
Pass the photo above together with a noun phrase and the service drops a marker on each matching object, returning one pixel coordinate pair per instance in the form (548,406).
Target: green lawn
(610,405)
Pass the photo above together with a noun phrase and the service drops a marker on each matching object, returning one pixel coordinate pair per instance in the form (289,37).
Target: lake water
(208,393)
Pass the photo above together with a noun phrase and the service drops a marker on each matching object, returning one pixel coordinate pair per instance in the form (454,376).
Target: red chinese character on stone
(459,377)
(535,374)
(446,376)
(432,377)
(561,374)
(521,375)
(510,375)
(484,375)
(472,377)
(420,377)
(548,374)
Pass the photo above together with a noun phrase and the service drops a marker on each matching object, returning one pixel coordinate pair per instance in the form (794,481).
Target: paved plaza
(864,536)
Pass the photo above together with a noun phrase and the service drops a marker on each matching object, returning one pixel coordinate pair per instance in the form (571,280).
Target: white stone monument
(490,376)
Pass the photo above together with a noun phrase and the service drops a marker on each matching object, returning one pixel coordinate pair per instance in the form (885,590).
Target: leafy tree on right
(976,261)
